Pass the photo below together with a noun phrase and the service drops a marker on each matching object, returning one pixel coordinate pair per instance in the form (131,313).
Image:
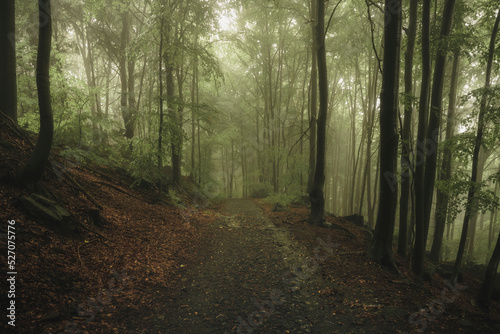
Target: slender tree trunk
(354,160)
(484,295)
(141,121)
(199,150)
(313,98)
(231,173)
(372,98)
(124,100)
(194,102)
(304,85)
(85,45)
(381,247)
(493,214)
(316,194)
(160,104)
(432,137)
(174,126)
(178,143)
(8,83)
(442,197)
(131,96)
(471,235)
(405,134)
(419,247)
(33,170)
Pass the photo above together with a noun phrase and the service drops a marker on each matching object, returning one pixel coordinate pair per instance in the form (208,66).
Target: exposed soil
(237,283)
(258,271)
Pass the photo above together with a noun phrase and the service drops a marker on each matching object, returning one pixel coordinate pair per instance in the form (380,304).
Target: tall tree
(484,295)
(316,194)
(432,136)
(313,98)
(381,247)
(442,197)
(8,82)
(405,132)
(125,76)
(431,140)
(419,246)
(160,103)
(33,170)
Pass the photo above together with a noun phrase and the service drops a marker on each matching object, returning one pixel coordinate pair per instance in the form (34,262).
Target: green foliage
(144,160)
(481,253)
(457,189)
(174,197)
(491,97)
(87,157)
(259,190)
(462,146)
(284,199)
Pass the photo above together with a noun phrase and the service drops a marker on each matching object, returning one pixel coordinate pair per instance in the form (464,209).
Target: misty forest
(239,166)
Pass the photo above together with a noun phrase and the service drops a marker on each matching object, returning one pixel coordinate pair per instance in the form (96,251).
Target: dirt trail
(243,282)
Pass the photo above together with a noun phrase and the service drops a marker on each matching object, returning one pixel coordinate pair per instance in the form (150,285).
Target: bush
(259,190)
(283,200)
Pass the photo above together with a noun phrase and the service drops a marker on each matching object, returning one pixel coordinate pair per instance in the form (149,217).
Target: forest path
(241,282)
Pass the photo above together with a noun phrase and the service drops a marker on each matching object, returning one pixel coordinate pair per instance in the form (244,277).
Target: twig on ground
(95,232)
(118,189)
(80,246)
(80,188)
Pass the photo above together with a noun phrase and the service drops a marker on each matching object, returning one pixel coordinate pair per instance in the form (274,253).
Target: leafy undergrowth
(404,306)
(75,283)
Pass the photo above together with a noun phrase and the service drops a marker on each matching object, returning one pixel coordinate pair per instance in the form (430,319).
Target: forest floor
(187,265)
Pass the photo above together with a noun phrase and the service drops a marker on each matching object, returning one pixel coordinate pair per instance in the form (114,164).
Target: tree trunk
(316,194)
(432,137)
(8,84)
(194,102)
(33,170)
(372,98)
(199,150)
(313,98)
(419,247)
(471,235)
(493,219)
(174,126)
(381,247)
(405,134)
(160,104)
(179,139)
(484,296)
(442,197)
(492,266)
(125,108)
(354,160)
(131,97)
